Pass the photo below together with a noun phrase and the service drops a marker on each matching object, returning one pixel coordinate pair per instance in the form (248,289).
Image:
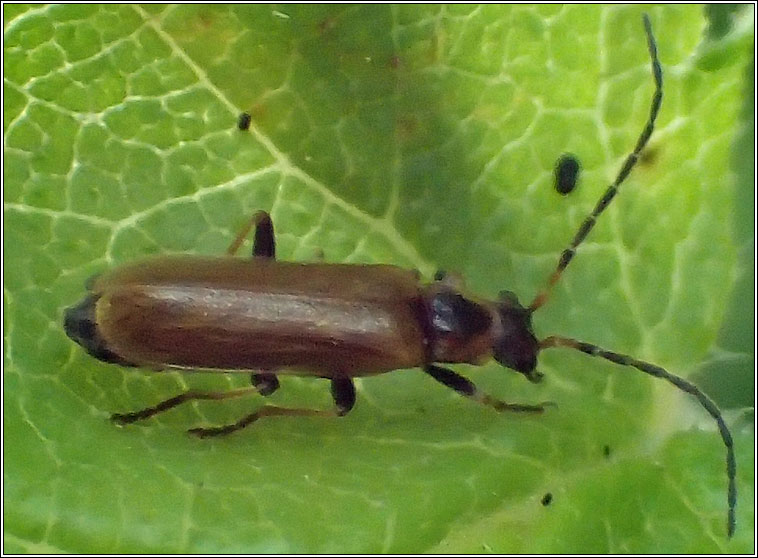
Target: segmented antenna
(628,165)
(618,358)
(679,383)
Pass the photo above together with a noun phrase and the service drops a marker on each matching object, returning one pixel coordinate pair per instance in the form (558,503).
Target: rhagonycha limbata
(334,321)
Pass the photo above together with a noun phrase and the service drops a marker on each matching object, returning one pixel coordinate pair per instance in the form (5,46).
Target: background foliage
(423,136)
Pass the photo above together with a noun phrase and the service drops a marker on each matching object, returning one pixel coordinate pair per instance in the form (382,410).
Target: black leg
(343,393)
(264,245)
(468,389)
(265,382)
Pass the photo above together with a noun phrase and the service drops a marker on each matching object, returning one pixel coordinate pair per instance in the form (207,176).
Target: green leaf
(423,136)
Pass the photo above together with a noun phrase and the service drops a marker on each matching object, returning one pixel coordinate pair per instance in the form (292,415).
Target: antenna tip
(646,22)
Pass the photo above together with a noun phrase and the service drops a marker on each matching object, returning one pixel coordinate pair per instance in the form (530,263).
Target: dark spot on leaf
(566,173)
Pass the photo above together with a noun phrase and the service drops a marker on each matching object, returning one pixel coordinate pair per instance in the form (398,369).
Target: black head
(515,345)
(80,325)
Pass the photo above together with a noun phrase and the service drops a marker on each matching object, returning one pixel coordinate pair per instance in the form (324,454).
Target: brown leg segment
(191,395)
(467,388)
(343,392)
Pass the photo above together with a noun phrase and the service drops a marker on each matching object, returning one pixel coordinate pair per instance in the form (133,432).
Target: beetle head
(514,344)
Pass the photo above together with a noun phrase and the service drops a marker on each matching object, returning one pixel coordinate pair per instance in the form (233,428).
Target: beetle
(566,173)
(334,321)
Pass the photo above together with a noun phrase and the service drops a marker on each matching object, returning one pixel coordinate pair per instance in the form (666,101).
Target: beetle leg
(191,395)
(343,392)
(467,388)
(265,382)
(264,245)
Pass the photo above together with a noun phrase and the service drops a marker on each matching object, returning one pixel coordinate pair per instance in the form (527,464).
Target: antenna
(679,383)
(618,358)
(629,163)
